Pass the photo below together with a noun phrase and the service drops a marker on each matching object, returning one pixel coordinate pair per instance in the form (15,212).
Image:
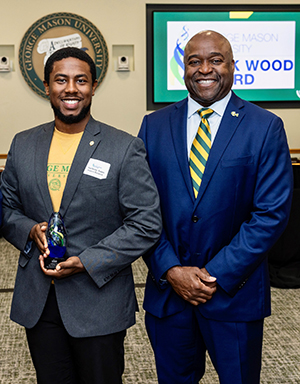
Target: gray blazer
(110,223)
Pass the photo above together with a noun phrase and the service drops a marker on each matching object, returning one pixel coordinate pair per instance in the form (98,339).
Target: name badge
(97,168)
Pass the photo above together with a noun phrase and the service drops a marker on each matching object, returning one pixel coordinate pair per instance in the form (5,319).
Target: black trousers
(59,358)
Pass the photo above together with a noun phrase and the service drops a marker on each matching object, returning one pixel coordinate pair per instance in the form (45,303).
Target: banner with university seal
(55,31)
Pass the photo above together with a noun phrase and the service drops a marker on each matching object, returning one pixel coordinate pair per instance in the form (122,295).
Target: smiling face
(70,90)
(209,67)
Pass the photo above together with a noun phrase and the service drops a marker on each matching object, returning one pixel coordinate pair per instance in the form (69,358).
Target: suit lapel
(232,117)
(41,161)
(179,136)
(89,142)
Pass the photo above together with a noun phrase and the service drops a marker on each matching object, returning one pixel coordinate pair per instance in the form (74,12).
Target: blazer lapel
(232,117)
(41,161)
(89,142)
(179,135)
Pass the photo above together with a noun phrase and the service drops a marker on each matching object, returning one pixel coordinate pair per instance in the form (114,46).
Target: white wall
(121,98)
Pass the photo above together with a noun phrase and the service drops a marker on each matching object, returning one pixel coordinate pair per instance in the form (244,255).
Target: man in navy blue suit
(208,285)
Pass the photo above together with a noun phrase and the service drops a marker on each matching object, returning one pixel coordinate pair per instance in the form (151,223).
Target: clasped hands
(66,268)
(193,284)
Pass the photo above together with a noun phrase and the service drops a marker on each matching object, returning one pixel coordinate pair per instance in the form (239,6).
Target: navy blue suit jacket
(242,208)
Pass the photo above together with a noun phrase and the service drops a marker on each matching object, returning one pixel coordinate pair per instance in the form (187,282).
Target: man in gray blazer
(76,315)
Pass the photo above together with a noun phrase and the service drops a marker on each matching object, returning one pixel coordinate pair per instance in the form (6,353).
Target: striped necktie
(200,149)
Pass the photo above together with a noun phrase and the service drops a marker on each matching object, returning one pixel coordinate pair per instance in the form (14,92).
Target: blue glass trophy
(57,241)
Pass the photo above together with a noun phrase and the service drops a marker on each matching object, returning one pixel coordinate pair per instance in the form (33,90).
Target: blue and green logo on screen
(265,47)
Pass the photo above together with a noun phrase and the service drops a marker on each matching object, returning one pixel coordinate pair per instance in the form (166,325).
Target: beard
(71,119)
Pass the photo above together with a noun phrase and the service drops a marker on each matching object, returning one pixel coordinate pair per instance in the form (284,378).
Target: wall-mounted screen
(265,41)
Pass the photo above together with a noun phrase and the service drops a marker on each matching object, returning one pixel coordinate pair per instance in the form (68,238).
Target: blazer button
(195,219)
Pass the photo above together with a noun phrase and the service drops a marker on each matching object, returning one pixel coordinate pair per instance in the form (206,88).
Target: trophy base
(51,262)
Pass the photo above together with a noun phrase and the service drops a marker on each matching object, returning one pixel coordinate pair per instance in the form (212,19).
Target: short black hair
(64,53)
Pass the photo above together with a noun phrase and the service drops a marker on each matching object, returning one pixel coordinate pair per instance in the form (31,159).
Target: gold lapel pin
(233,113)
(92,143)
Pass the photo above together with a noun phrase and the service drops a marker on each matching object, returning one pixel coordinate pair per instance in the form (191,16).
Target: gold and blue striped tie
(200,149)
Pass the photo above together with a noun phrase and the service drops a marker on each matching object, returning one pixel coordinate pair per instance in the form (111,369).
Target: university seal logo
(55,31)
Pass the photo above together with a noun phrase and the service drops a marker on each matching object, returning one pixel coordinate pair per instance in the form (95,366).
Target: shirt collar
(218,107)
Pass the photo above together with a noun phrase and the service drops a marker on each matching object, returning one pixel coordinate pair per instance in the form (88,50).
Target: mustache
(197,77)
(71,119)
